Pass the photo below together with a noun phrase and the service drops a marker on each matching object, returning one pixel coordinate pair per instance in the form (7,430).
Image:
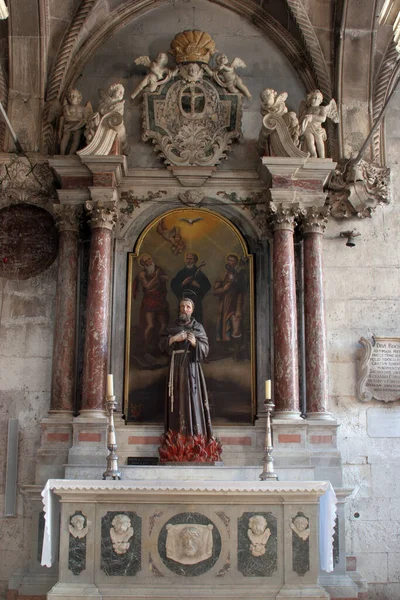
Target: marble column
(286,368)
(313,227)
(103,216)
(63,376)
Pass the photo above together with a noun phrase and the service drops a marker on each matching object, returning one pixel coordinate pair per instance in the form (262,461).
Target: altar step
(189,473)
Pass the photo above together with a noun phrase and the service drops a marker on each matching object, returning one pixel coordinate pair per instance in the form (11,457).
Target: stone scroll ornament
(379,369)
(105,129)
(192,112)
(78,527)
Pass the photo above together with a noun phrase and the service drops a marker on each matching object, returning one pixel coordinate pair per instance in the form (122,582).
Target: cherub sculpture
(226,76)
(301,527)
(158,75)
(121,532)
(311,117)
(73,119)
(272,102)
(258,533)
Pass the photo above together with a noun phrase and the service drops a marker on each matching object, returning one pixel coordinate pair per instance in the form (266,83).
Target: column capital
(102,213)
(314,219)
(67,217)
(282,215)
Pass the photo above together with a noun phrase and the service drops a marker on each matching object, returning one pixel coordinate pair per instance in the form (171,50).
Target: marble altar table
(189,539)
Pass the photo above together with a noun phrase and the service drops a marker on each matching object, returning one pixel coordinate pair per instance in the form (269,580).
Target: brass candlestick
(268,462)
(112,470)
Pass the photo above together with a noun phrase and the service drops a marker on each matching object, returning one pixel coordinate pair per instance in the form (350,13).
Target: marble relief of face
(190,541)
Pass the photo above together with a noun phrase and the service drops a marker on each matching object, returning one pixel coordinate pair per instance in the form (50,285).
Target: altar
(199,539)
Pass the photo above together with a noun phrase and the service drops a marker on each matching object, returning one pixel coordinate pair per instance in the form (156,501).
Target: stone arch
(308,61)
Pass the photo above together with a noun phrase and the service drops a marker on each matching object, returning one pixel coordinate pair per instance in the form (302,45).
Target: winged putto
(311,117)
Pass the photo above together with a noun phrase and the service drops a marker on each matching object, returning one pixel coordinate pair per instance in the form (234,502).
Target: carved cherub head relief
(300,526)
(78,526)
(121,532)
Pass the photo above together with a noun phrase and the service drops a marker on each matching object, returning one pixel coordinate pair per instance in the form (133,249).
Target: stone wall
(363,290)
(26,335)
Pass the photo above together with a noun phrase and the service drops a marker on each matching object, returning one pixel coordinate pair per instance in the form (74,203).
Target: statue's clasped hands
(182,336)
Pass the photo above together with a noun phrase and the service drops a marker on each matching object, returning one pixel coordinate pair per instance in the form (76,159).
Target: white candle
(110,385)
(268,389)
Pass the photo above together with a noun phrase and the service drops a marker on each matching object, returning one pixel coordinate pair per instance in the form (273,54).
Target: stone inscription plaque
(379,369)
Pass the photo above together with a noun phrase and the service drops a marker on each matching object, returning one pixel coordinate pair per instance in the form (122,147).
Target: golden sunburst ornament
(192,46)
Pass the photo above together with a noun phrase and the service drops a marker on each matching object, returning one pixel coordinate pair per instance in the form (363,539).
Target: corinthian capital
(315,218)
(282,215)
(102,214)
(67,216)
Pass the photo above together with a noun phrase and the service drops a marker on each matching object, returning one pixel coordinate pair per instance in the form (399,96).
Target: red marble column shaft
(315,325)
(62,394)
(286,369)
(97,321)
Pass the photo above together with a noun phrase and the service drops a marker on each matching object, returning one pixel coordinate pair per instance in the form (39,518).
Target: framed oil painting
(198,254)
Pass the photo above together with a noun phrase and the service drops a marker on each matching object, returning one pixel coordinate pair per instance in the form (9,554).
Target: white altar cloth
(327,513)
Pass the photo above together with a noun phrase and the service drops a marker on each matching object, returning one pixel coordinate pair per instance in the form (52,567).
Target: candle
(110,385)
(268,389)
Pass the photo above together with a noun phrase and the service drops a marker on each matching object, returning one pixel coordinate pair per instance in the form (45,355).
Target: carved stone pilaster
(314,219)
(67,217)
(283,215)
(102,214)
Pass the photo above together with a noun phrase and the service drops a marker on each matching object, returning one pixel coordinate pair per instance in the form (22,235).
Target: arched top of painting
(197,230)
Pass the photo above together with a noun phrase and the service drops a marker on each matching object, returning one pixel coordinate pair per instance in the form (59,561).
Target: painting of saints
(191,278)
(154,309)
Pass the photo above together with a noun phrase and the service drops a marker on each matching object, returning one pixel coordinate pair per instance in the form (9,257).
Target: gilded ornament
(192,46)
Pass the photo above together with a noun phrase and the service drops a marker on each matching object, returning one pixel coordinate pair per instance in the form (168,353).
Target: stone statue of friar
(188,433)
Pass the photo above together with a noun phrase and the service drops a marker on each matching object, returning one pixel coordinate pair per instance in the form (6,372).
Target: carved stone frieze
(23,181)
(67,216)
(102,214)
(314,219)
(129,202)
(357,189)
(283,215)
(255,204)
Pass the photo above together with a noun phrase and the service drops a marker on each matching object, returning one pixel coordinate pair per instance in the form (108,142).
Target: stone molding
(314,219)
(103,214)
(67,217)
(389,69)
(300,15)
